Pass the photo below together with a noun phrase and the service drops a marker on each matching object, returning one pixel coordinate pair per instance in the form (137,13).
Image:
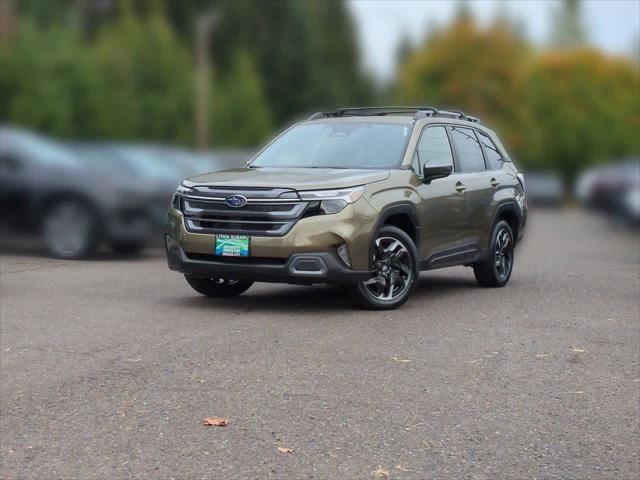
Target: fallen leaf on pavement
(577,350)
(215,422)
(401,360)
(285,450)
(381,472)
(400,467)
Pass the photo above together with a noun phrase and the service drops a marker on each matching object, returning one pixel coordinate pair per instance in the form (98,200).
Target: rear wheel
(217,287)
(70,230)
(395,260)
(496,269)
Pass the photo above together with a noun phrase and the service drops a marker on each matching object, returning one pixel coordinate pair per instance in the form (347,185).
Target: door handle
(494,183)
(460,187)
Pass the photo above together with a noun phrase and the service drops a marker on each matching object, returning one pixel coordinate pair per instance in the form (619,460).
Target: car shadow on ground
(320,298)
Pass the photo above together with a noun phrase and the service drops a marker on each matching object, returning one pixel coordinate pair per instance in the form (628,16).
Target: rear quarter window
(491,152)
(467,149)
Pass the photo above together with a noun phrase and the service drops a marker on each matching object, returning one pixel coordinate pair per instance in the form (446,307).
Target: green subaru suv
(362,197)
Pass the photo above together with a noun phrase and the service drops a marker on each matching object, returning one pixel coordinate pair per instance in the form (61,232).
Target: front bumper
(299,268)
(312,241)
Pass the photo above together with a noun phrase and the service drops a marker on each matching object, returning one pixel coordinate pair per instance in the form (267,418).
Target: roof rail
(420,112)
(466,117)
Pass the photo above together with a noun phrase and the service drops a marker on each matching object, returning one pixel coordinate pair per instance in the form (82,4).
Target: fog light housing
(343,253)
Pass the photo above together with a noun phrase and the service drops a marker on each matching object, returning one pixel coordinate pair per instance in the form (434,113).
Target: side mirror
(431,172)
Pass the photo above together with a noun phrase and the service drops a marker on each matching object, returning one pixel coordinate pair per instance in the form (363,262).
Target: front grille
(263,217)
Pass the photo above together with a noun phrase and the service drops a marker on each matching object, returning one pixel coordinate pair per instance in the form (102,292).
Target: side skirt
(463,255)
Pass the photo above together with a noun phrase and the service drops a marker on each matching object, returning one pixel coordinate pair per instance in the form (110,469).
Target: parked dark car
(544,189)
(73,204)
(614,189)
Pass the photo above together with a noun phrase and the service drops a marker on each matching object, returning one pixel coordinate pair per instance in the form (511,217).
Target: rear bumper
(299,268)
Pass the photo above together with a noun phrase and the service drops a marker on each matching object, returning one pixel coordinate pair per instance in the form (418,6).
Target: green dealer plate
(232,245)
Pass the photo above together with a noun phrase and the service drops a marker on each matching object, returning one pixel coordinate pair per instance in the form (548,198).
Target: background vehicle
(360,196)
(72,203)
(544,189)
(614,189)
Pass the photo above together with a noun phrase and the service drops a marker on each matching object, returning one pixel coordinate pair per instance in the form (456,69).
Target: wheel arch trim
(397,208)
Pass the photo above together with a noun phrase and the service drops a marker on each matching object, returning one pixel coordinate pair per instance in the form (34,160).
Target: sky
(613,25)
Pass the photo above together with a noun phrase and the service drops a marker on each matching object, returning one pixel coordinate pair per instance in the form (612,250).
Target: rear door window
(491,152)
(468,150)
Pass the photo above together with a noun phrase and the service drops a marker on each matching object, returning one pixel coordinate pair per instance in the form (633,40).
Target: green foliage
(49,82)
(477,70)
(305,52)
(239,109)
(559,111)
(124,69)
(148,80)
(584,109)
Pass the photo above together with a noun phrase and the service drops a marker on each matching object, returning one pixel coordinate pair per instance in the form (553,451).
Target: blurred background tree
(567,29)
(126,69)
(240,114)
(147,78)
(479,70)
(584,109)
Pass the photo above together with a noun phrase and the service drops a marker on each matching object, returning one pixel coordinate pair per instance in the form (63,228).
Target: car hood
(294,178)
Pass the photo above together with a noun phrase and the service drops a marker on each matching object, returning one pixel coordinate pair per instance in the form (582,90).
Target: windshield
(337,145)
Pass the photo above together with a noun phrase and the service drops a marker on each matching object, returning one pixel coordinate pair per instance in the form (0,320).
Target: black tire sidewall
(494,238)
(208,288)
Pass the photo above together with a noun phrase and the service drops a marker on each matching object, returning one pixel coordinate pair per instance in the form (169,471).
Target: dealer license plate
(232,245)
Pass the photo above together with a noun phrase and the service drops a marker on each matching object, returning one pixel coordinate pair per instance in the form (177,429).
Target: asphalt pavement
(108,368)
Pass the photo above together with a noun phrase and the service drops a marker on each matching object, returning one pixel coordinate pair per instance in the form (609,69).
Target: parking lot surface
(109,366)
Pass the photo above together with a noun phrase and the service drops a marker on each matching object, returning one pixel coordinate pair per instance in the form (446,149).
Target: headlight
(175,202)
(181,190)
(332,201)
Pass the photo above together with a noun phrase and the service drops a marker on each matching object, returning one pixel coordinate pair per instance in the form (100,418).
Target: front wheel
(217,287)
(496,269)
(395,263)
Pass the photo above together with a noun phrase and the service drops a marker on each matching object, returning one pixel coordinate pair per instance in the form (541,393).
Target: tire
(217,287)
(70,230)
(395,260)
(128,248)
(496,269)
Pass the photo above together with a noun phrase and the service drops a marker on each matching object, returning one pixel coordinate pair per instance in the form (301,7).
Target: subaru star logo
(236,201)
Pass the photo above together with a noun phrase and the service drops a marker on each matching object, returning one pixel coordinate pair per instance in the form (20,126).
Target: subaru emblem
(236,201)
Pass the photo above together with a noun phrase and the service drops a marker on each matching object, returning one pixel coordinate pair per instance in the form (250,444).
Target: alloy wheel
(503,254)
(393,270)
(68,228)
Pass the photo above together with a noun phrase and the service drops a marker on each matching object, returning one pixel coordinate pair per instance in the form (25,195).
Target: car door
(476,182)
(501,181)
(443,209)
